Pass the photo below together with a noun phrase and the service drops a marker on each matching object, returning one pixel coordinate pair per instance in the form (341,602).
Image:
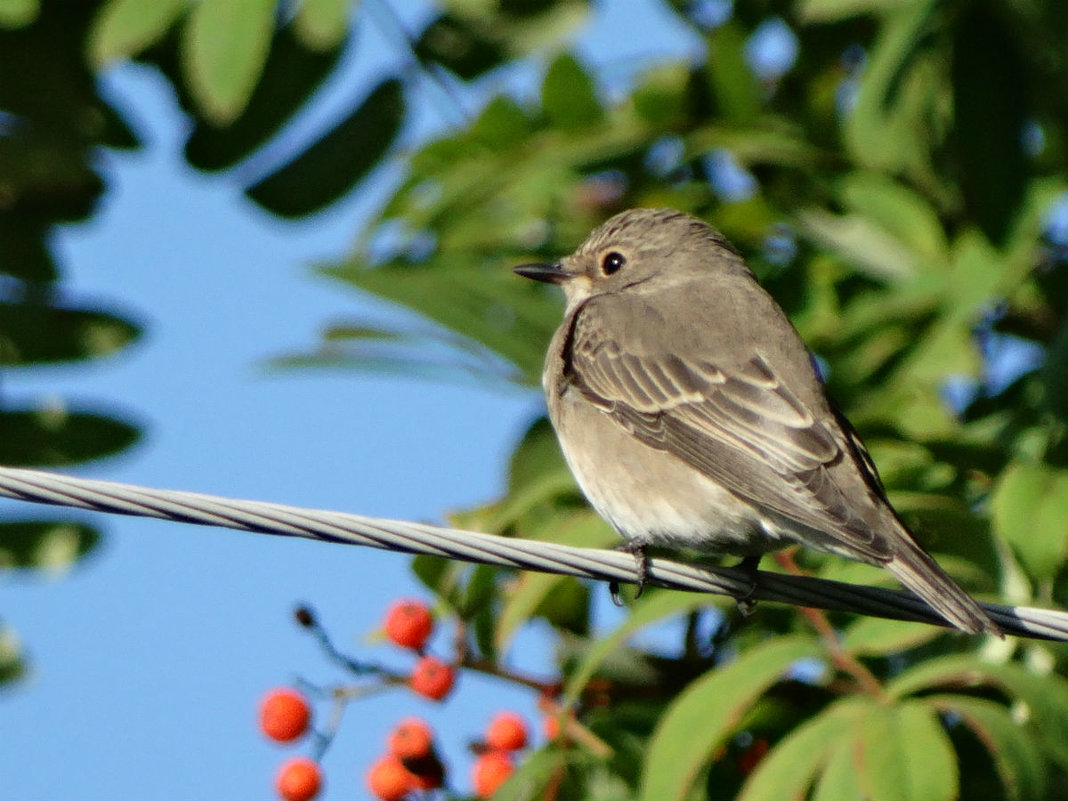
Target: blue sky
(148,661)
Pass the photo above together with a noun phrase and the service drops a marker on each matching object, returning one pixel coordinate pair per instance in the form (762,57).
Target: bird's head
(638,250)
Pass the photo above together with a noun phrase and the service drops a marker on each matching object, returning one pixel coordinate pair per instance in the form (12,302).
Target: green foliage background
(903,173)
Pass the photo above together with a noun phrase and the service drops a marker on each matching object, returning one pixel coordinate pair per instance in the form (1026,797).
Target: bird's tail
(920,573)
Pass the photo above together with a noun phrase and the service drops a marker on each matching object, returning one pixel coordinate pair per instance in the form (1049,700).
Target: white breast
(648,495)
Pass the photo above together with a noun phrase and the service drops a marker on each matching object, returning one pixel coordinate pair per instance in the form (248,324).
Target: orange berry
(409,624)
(432,677)
(389,780)
(507,732)
(411,738)
(550,727)
(491,770)
(299,779)
(284,714)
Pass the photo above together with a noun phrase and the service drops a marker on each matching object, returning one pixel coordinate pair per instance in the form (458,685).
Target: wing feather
(743,428)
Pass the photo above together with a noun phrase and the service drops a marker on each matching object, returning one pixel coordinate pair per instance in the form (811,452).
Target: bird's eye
(612,262)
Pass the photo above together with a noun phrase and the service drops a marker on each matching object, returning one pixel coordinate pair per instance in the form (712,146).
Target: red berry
(507,732)
(432,677)
(409,624)
(389,780)
(284,714)
(299,779)
(491,770)
(550,727)
(411,738)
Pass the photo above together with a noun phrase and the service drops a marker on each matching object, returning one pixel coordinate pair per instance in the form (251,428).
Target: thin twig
(845,661)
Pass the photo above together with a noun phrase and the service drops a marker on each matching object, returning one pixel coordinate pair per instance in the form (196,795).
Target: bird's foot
(637,549)
(747,603)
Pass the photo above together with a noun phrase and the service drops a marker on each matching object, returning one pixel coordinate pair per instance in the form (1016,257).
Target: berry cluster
(506,734)
(411,763)
(285,716)
(411,766)
(409,624)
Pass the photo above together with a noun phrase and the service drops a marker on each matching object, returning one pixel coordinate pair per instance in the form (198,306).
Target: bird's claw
(747,603)
(637,549)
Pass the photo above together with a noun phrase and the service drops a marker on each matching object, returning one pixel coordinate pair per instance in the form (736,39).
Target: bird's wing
(743,428)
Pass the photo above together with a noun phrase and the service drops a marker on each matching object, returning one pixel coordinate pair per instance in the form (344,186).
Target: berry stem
(352,665)
(489,667)
(841,658)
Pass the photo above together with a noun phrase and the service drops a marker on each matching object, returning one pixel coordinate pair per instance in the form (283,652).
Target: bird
(692,415)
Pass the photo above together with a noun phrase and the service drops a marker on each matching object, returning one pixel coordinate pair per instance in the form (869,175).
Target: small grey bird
(691,415)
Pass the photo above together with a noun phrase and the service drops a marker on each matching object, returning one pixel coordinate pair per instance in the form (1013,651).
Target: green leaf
(433,572)
(1044,699)
(755,146)
(50,437)
(501,124)
(873,636)
(124,28)
(792,765)
(32,334)
(533,775)
(1031,224)
(990,110)
(539,485)
(550,595)
(536,25)
(457,45)
(1030,511)
(518,507)
(738,94)
(568,96)
(1055,373)
(566,607)
(18,13)
(321,24)
(333,166)
(26,253)
(978,274)
(46,178)
(487,304)
(861,242)
(651,608)
(809,11)
(904,214)
(906,755)
(477,606)
(841,777)
(12,665)
(660,99)
(291,75)
(537,455)
(411,349)
(706,714)
(1016,754)
(947,348)
(224,47)
(52,545)
(463,587)
(882,131)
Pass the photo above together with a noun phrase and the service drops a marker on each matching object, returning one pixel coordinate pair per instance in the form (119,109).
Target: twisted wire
(471,546)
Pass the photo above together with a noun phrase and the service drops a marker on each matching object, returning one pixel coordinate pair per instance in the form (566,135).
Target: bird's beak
(547,273)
